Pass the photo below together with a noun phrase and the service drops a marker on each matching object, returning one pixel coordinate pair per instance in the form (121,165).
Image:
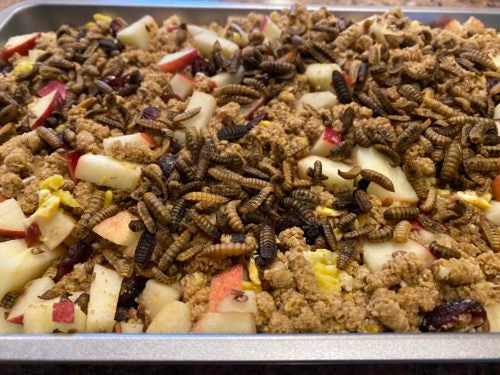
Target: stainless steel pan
(39,15)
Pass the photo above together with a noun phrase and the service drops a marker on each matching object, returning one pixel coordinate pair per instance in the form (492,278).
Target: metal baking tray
(40,15)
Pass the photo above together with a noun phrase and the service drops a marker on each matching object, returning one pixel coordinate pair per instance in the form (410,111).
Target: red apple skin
(171,28)
(17,319)
(222,284)
(13,233)
(51,86)
(179,63)
(2,198)
(332,136)
(415,225)
(263,23)
(496,188)
(72,160)
(56,104)
(21,49)
(347,78)
(63,312)
(148,139)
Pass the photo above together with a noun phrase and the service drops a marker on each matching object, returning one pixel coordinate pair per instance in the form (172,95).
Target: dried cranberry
(444,317)
(150,113)
(255,120)
(199,65)
(311,232)
(33,235)
(288,220)
(77,253)
(168,96)
(117,82)
(130,289)
(167,164)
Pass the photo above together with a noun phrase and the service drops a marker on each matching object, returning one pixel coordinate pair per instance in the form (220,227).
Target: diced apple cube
(181,85)
(136,140)
(376,255)
(330,169)
(225,323)
(51,86)
(106,171)
(270,30)
(222,285)
(318,100)
(319,76)
(116,230)
(104,293)
(33,290)
(207,103)
(194,29)
(327,140)
(493,213)
(54,229)
(226,78)
(369,158)
(131,327)
(496,115)
(72,161)
(204,42)
(238,301)
(140,33)
(173,318)
(43,107)
(6,327)
(20,44)
(12,219)
(156,295)
(176,61)
(493,314)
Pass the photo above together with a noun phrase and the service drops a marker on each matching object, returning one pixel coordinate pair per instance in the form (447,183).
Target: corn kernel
(248,285)
(443,192)
(414,24)
(108,198)
(60,128)
(66,198)
(102,17)
(325,211)
(338,234)
(24,66)
(265,123)
(236,38)
(53,182)
(253,272)
(472,198)
(372,329)
(362,219)
(90,25)
(48,208)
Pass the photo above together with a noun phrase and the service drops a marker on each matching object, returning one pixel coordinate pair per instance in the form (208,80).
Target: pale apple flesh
(6,327)
(317,100)
(319,76)
(156,295)
(226,78)
(238,301)
(173,318)
(225,323)
(270,30)
(12,219)
(140,33)
(116,230)
(327,140)
(135,140)
(181,85)
(330,169)
(204,43)
(207,103)
(43,107)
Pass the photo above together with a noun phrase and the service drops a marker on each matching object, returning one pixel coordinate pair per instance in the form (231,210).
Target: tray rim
(326,348)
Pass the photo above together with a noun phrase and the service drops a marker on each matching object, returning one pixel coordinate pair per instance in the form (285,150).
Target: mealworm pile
(234,191)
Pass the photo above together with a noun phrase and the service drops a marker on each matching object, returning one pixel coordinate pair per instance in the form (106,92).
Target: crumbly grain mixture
(331,176)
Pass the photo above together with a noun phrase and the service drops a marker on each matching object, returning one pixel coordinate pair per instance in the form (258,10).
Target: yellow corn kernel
(472,198)
(443,192)
(325,211)
(236,38)
(253,272)
(66,198)
(372,329)
(102,17)
(48,208)
(328,283)
(248,285)
(60,128)
(414,24)
(265,123)
(362,219)
(53,182)
(108,198)
(90,25)
(375,200)
(24,66)
(338,234)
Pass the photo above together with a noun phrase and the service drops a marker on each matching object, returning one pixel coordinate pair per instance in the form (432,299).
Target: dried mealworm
(345,221)
(136,225)
(146,217)
(363,201)
(380,235)
(254,203)
(402,231)
(120,264)
(362,136)
(249,170)
(267,244)
(8,300)
(226,250)
(442,251)
(156,208)
(184,116)
(302,209)
(102,215)
(305,195)
(189,253)
(436,138)
(240,90)
(154,173)
(341,88)
(234,220)
(491,233)
(431,225)
(360,232)
(329,234)
(378,178)
(203,222)
(401,213)
(144,186)
(49,136)
(351,174)
(174,249)
(144,249)
(178,211)
(451,162)
(94,204)
(430,200)
(201,196)
(346,254)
